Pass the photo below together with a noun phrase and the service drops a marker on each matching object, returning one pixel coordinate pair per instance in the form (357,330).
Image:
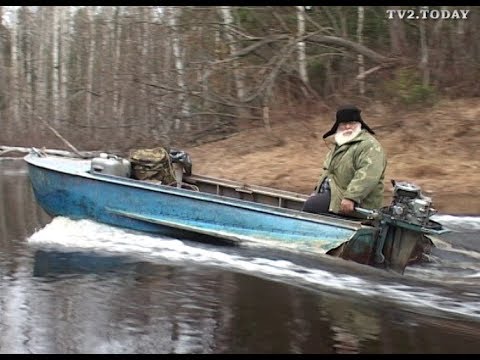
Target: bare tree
(238,74)
(398,40)
(116,28)
(89,14)
(172,15)
(60,34)
(424,54)
(302,57)
(5,64)
(361,61)
(152,71)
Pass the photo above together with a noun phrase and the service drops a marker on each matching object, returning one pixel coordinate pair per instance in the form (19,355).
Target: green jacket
(356,171)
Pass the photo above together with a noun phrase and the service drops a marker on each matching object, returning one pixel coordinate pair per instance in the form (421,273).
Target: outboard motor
(410,205)
(181,157)
(402,227)
(181,163)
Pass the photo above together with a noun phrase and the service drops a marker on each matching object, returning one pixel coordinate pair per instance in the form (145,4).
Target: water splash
(459,223)
(87,235)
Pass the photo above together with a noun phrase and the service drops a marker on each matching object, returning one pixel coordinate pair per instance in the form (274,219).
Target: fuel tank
(111,165)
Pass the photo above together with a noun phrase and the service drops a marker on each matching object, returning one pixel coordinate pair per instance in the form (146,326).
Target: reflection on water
(18,218)
(82,287)
(351,326)
(56,263)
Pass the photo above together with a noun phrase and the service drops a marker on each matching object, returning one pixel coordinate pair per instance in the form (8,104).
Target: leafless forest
(128,76)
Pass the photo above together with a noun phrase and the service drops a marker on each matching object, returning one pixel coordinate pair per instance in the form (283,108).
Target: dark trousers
(318,203)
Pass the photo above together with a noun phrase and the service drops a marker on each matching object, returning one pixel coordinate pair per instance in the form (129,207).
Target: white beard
(341,137)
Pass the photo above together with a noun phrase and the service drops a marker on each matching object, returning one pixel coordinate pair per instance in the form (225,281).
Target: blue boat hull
(65,187)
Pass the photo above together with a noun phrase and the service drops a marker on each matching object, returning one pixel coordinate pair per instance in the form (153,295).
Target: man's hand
(347,206)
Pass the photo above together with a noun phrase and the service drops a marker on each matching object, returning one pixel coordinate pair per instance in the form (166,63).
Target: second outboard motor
(181,157)
(181,163)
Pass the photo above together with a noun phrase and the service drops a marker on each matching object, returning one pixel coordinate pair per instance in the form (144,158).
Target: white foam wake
(89,235)
(458,222)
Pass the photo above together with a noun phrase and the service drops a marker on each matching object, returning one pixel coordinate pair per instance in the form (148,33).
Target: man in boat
(353,170)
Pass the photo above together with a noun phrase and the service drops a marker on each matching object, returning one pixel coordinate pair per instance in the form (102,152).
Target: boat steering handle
(371,214)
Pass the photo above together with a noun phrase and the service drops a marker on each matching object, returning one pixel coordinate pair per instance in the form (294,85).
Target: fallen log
(25,150)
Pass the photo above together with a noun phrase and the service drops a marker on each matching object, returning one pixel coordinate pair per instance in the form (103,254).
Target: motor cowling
(409,204)
(182,158)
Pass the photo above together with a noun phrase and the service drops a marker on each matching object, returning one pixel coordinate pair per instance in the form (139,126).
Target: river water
(82,287)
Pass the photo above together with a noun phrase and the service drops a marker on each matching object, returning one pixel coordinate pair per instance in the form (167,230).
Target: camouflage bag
(152,164)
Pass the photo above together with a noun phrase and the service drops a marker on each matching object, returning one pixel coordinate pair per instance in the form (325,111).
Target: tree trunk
(361,62)
(302,58)
(115,66)
(59,91)
(89,109)
(424,55)
(56,33)
(179,67)
(226,12)
(238,74)
(15,73)
(5,73)
(398,39)
(64,36)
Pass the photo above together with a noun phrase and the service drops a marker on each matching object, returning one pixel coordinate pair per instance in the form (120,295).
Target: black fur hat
(346,114)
